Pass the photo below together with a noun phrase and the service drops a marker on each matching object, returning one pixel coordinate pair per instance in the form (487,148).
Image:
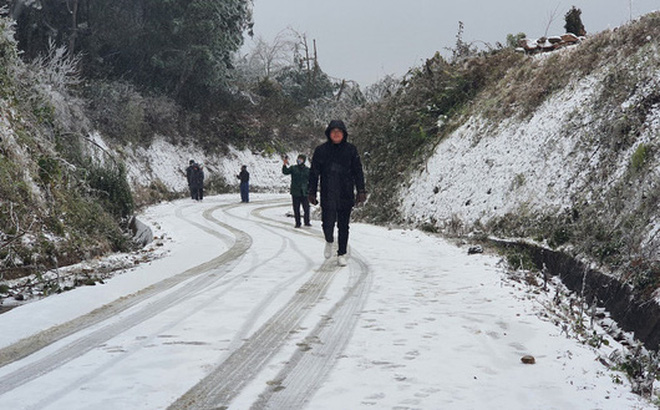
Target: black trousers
(197,193)
(341,217)
(297,202)
(245,192)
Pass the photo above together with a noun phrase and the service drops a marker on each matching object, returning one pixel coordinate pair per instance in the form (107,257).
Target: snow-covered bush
(8,52)
(57,70)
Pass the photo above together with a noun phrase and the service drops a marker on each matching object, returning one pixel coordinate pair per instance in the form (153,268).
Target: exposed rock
(544,44)
(142,233)
(570,38)
(475,249)
(528,359)
(528,45)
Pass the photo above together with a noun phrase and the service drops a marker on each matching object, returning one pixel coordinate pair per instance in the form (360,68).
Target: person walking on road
(337,163)
(244,176)
(299,183)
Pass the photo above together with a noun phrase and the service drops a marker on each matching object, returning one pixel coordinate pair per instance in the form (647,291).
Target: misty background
(365,40)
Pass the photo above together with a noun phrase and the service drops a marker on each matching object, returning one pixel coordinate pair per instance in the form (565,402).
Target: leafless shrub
(162,114)
(387,86)
(57,69)
(8,49)
(117,109)
(341,105)
(454,226)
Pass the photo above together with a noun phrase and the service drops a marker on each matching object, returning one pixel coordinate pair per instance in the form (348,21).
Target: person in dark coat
(189,177)
(244,176)
(299,182)
(337,164)
(195,176)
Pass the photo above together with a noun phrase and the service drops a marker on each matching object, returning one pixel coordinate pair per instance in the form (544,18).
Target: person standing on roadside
(244,176)
(299,182)
(195,176)
(337,163)
(189,171)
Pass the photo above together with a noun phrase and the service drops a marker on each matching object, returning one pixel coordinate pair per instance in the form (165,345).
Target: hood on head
(336,124)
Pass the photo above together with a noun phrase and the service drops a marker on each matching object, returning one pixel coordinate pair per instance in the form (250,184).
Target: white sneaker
(341,260)
(327,252)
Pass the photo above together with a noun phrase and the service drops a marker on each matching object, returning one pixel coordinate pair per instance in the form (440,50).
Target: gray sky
(364,40)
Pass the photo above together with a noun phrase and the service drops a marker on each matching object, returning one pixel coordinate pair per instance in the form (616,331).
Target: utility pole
(630,7)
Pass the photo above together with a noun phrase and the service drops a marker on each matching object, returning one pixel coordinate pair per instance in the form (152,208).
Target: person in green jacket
(299,178)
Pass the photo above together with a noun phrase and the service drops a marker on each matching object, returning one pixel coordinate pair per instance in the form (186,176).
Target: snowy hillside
(549,161)
(166,163)
(561,149)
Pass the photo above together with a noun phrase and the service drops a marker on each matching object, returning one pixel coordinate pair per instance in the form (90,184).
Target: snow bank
(166,163)
(550,161)
(484,170)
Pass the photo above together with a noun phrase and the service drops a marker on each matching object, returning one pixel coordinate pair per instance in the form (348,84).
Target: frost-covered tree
(188,45)
(288,66)
(343,104)
(574,22)
(267,59)
(381,89)
(180,47)
(513,41)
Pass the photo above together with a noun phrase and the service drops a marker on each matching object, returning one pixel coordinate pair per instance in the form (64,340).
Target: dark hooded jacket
(195,176)
(244,176)
(340,171)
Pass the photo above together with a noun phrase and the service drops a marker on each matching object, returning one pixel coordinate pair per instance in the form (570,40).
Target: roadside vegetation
(609,225)
(57,206)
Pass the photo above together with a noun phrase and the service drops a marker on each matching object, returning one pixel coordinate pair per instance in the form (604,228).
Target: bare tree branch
(552,16)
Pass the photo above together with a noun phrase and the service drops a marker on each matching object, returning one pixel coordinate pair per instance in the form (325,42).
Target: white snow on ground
(435,328)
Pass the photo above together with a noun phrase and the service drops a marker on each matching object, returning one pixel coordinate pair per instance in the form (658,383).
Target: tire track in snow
(232,375)
(304,376)
(258,309)
(227,286)
(279,224)
(32,344)
(309,366)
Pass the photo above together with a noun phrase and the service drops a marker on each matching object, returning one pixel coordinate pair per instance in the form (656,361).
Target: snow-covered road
(244,312)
